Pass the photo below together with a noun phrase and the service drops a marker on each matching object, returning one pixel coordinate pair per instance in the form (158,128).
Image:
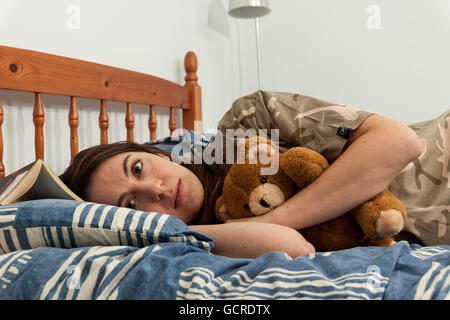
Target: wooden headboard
(32,71)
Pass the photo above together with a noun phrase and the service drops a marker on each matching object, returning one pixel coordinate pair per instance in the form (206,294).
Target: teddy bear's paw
(223,213)
(389,223)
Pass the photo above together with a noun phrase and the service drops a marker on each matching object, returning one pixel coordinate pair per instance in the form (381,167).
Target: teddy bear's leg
(382,216)
(381,242)
(221,210)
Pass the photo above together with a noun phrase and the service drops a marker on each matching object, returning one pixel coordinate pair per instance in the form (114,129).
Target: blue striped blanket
(59,249)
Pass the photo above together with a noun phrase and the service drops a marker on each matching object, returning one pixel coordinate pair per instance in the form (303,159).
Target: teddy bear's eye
(263,180)
(246,206)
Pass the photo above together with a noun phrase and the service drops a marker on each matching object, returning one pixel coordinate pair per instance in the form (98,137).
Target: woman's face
(147,182)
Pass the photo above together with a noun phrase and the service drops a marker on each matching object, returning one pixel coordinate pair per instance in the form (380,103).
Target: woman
(143,177)
(366,152)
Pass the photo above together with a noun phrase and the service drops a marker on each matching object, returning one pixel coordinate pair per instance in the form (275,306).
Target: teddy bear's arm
(303,165)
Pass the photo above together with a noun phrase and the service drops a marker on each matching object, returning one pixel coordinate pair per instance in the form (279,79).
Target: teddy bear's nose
(264,203)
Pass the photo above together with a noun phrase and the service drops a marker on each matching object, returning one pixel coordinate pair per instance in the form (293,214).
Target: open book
(34,181)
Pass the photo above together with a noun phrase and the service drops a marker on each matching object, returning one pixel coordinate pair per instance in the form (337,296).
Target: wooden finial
(193,114)
(190,66)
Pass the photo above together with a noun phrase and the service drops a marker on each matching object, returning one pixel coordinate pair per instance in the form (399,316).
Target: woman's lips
(179,194)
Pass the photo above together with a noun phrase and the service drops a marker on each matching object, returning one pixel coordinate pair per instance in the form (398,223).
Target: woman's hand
(247,239)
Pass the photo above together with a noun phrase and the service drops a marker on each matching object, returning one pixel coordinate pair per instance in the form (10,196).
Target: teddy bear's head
(250,188)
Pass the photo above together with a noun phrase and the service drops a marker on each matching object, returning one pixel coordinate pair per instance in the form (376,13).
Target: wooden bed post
(152,122)
(73,124)
(103,122)
(129,122)
(172,121)
(193,115)
(38,120)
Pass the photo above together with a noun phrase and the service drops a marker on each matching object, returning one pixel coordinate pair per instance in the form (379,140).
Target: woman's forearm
(376,154)
(253,239)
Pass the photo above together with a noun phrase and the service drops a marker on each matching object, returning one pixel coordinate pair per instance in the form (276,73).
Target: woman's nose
(152,188)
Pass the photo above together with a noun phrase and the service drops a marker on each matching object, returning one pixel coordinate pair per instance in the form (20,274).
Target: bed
(61,249)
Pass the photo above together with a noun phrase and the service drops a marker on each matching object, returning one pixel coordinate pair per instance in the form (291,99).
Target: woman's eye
(137,168)
(131,204)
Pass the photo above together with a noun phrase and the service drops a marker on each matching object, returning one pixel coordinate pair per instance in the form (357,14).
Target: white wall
(324,48)
(146,36)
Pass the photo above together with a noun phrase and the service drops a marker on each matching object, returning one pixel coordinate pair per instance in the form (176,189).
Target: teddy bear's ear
(221,210)
(258,148)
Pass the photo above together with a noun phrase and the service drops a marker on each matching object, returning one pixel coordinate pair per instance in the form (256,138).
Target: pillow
(70,224)
(181,147)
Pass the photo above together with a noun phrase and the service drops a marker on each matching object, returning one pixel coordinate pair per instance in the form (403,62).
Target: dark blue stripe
(100,276)
(151,229)
(120,239)
(129,238)
(50,237)
(44,237)
(109,218)
(23,239)
(140,224)
(97,215)
(9,241)
(6,224)
(73,243)
(139,239)
(83,215)
(128,220)
(61,237)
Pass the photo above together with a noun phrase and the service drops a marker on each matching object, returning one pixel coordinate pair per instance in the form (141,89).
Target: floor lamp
(251,9)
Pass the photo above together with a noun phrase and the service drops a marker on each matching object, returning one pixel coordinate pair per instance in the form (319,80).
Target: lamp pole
(258,53)
(248,9)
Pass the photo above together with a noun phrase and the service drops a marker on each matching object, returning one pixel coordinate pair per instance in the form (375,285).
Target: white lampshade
(248,9)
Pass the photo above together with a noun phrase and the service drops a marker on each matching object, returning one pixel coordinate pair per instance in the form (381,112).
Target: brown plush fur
(247,193)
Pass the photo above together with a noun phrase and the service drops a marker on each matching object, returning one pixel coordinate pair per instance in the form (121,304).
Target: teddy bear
(248,191)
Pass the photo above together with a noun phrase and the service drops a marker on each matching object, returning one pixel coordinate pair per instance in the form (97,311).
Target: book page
(12,185)
(45,187)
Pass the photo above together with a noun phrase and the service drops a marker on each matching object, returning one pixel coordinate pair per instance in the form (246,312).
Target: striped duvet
(69,250)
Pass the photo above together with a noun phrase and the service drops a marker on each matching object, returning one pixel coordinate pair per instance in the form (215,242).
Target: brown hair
(77,176)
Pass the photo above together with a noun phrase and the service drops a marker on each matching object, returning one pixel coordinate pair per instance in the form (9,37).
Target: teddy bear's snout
(264,203)
(265,198)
